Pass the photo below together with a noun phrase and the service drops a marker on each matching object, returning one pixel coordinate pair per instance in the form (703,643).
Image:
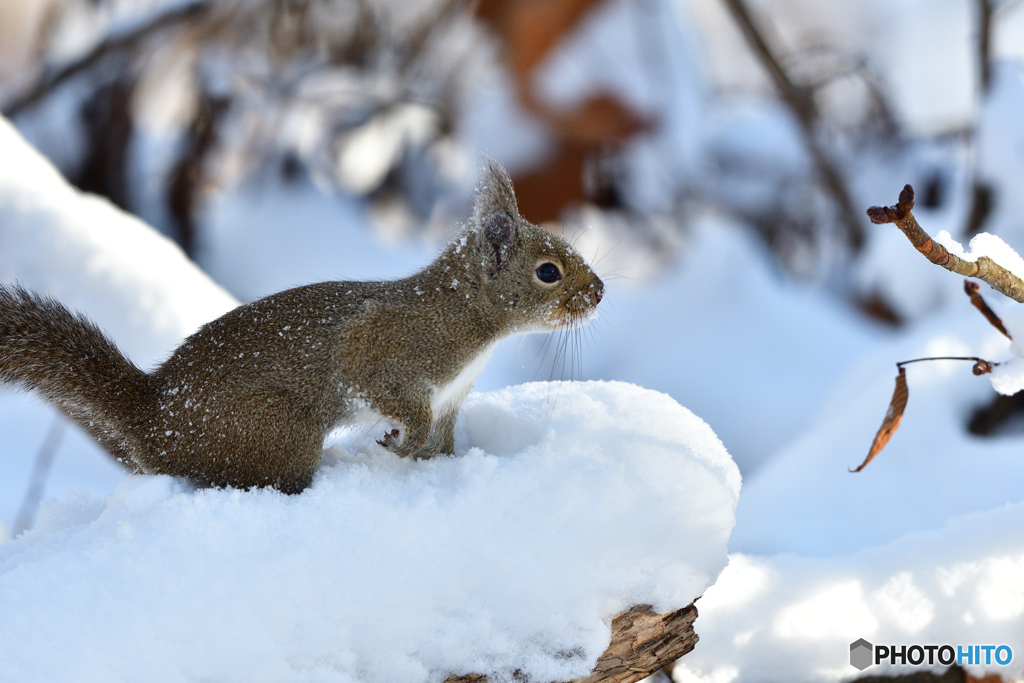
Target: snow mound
(136,284)
(792,618)
(922,547)
(566,505)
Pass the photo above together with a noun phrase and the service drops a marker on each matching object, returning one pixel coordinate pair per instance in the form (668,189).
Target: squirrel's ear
(495,192)
(495,212)
(495,235)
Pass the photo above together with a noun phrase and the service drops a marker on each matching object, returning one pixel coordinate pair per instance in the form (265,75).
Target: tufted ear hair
(495,192)
(494,215)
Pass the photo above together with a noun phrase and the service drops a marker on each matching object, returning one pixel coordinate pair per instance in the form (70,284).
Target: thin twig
(919,360)
(40,471)
(971,288)
(985,269)
(801,104)
(51,78)
(985,12)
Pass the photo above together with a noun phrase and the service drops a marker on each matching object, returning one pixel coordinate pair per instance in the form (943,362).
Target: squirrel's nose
(596,293)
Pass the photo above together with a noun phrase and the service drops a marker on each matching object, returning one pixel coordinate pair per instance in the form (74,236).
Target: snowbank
(805,501)
(139,286)
(922,547)
(564,507)
(792,618)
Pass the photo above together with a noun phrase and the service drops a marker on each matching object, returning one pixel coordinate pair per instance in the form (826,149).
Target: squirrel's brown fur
(247,400)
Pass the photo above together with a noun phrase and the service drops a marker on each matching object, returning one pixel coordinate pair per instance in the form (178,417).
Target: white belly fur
(443,396)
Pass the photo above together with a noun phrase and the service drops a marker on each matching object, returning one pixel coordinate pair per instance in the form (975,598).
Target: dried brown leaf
(892,418)
(972,291)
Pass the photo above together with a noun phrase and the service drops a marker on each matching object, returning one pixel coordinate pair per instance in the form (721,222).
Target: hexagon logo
(861,654)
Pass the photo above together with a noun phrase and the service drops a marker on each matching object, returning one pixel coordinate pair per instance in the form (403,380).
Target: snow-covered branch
(983,268)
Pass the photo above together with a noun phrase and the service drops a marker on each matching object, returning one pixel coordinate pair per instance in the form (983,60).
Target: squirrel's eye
(549,273)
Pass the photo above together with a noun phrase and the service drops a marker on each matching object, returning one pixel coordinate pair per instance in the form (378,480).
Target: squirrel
(247,400)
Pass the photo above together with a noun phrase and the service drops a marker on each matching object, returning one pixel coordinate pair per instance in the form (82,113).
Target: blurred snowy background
(712,158)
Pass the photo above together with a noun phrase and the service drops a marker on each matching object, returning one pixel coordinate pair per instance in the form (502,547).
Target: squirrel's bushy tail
(65,359)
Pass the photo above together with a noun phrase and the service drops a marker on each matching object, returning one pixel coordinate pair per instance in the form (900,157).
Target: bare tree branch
(985,269)
(40,471)
(985,12)
(51,78)
(801,104)
(982,193)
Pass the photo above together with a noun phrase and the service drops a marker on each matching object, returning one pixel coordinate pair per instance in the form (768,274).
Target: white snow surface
(137,285)
(792,618)
(805,501)
(922,547)
(984,244)
(559,511)
(1008,376)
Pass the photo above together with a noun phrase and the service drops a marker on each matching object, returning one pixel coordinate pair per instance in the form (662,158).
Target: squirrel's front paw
(390,440)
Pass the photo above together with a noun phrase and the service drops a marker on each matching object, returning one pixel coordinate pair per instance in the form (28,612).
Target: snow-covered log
(642,643)
(564,508)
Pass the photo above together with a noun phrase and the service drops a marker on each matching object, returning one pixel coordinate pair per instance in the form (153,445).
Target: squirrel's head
(537,277)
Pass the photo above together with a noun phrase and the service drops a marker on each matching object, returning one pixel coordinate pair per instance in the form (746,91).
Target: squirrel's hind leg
(265,440)
(287,451)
